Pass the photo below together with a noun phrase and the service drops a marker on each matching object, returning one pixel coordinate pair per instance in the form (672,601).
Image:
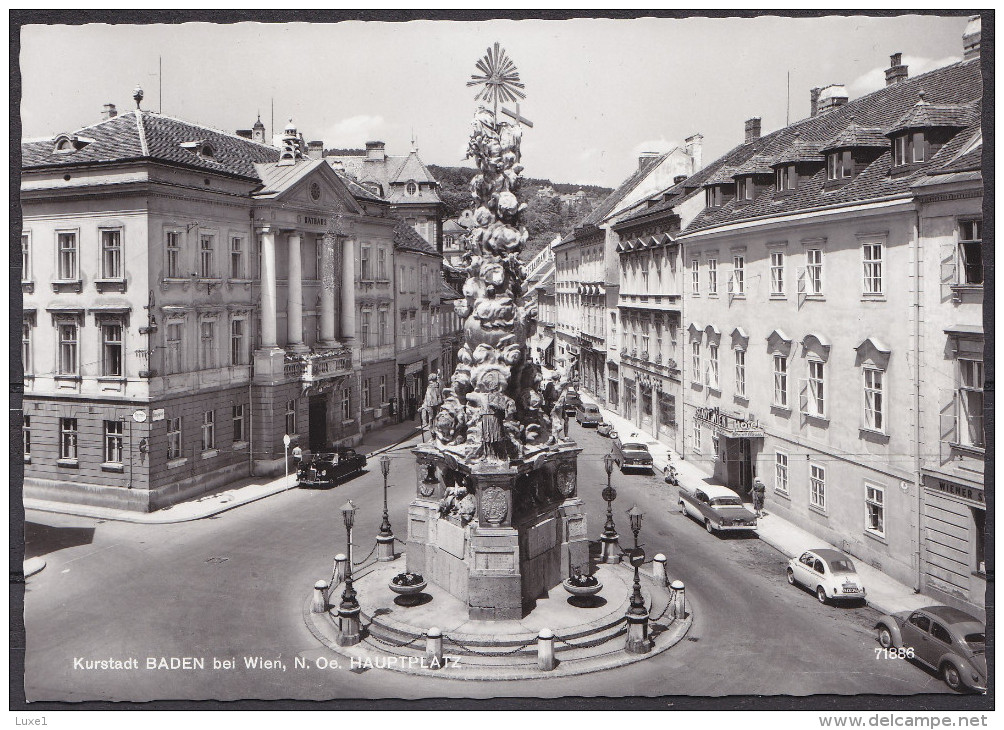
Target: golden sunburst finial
(498,76)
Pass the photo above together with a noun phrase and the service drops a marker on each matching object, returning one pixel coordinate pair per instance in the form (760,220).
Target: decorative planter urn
(577,590)
(409,592)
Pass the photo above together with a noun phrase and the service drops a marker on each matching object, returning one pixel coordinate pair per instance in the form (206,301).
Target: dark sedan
(632,455)
(325,469)
(948,640)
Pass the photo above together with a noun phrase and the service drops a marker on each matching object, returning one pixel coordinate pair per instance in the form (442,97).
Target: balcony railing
(318,366)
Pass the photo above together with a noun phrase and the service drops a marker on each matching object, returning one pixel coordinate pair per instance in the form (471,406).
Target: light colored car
(946,639)
(588,414)
(717,507)
(829,573)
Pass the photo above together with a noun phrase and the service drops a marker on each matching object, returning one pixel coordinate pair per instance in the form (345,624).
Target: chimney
(679,179)
(109,111)
(971,38)
(897,72)
(243,133)
(830,97)
(752,129)
(375,151)
(645,156)
(315,149)
(814,101)
(694,147)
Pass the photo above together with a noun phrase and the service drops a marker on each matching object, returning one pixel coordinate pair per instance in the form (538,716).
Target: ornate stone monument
(497,521)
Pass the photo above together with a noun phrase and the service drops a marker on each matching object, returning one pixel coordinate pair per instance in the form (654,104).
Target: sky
(598,91)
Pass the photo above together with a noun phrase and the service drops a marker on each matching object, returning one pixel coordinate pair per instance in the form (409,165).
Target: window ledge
(176,280)
(873,298)
(348,421)
(210,453)
(102,285)
(782,494)
(27,287)
(775,297)
(696,384)
(242,280)
(818,510)
(815,297)
(974,450)
(876,537)
(111,378)
(75,285)
(73,378)
(240,445)
(821,420)
(955,287)
(872,434)
(117,468)
(780,410)
(175,463)
(741,399)
(68,463)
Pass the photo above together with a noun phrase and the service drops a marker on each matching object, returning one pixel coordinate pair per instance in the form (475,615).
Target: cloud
(355,131)
(875,79)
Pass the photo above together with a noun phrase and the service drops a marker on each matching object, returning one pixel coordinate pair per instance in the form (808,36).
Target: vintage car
(588,414)
(326,468)
(630,454)
(572,403)
(829,573)
(948,640)
(719,508)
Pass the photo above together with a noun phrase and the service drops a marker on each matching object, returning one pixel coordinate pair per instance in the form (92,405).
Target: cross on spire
(515,115)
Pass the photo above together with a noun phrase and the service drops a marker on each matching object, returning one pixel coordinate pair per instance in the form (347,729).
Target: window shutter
(803,395)
(949,270)
(801,273)
(731,287)
(948,423)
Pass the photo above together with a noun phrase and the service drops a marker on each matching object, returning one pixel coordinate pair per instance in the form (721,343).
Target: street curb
(31,566)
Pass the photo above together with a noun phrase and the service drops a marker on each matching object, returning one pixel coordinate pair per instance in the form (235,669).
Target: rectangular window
(111,254)
(26,328)
(816,402)
(401,282)
(644,340)
(237,347)
(382,327)
(786,178)
(872,257)
(68,438)
(240,434)
(712,276)
(206,268)
(68,348)
(971,251)
(780,381)
(839,165)
(111,350)
(900,146)
(67,265)
(346,404)
(697,437)
(781,472)
(381,263)
(26,435)
(777,272)
(695,361)
(383,389)
(971,402)
(366,393)
(738,275)
(207,344)
(172,341)
(291,416)
(817,486)
(695,277)
(173,255)
(236,257)
(741,373)
(25,257)
(712,375)
(874,401)
(364,329)
(746,188)
(919,148)
(173,438)
(814,271)
(113,442)
(875,510)
(208,431)
(364,264)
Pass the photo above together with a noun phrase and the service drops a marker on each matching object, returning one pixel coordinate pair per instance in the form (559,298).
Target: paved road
(233,586)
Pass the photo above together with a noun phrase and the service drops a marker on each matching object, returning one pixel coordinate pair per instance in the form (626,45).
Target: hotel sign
(727,425)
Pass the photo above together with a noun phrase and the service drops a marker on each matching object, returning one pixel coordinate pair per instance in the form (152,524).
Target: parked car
(572,403)
(605,429)
(632,455)
(829,573)
(588,414)
(719,508)
(325,469)
(948,640)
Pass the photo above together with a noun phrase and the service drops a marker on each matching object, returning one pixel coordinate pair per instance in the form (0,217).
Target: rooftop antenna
(271,121)
(787,105)
(160,84)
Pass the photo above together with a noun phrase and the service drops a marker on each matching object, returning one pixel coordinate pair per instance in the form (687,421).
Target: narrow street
(234,586)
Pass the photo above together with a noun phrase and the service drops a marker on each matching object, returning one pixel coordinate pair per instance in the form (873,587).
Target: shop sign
(415,367)
(969,494)
(728,425)
(309,220)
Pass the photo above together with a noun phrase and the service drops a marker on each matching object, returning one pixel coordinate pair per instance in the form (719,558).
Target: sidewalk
(885,594)
(242,492)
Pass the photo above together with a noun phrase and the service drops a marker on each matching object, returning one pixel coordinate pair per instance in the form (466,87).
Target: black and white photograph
(578,362)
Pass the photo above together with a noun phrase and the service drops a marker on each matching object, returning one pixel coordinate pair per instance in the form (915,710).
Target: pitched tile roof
(407,238)
(857,136)
(391,173)
(924,114)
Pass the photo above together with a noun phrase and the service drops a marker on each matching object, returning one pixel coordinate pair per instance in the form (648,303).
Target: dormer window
(411,188)
(908,148)
(745,190)
(66,143)
(786,178)
(200,148)
(714,196)
(839,165)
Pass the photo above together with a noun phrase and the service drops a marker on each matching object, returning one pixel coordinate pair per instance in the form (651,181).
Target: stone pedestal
(385,548)
(528,533)
(610,549)
(637,635)
(348,625)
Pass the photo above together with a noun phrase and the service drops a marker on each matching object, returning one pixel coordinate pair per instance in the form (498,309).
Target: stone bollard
(659,569)
(679,599)
(320,602)
(434,647)
(545,650)
(341,562)
(637,634)
(348,625)
(385,548)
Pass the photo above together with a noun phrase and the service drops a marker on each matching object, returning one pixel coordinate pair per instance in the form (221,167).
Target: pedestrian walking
(759,494)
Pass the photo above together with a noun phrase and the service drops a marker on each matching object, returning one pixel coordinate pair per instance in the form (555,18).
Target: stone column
(294,296)
(268,296)
(348,289)
(327,292)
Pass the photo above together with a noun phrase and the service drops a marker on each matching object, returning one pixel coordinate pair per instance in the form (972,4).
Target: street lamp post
(348,609)
(385,538)
(637,615)
(610,551)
